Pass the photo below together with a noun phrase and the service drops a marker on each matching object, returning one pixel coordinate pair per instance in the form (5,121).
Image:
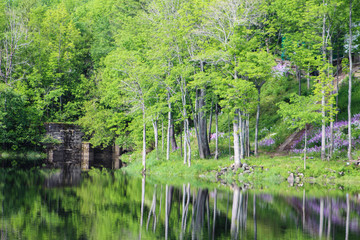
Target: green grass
(269,171)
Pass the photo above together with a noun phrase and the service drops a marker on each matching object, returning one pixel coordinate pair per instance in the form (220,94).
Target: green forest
(184,80)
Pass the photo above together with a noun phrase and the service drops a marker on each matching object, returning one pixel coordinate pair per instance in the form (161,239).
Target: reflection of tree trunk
(142,204)
(234,212)
(168,202)
(329,217)
(166,212)
(227,212)
(208,215)
(161,194)
(193,217)
(254,216)
(186,202)
(321,217)
(303,210)
(347,217)
(152,211)
(214,217)
(199,206)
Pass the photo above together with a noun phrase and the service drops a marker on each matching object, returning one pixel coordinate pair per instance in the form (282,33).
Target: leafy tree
(299,113)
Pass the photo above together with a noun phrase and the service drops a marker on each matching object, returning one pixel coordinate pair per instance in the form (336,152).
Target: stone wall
(73,150)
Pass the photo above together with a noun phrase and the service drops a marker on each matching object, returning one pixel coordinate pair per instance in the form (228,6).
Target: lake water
(112,205)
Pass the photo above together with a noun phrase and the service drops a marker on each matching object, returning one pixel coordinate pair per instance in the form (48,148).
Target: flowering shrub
(341,142)
(267,142)
(213,135)
(280,69)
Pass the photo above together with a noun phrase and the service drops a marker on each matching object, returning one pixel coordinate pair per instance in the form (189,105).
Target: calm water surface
(111,205)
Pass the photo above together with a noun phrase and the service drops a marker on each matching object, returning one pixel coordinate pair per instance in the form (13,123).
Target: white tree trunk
(323,113)
(236,140)
(162,136)
(144,141)
(156,136)
(168,130)
(242,136)
(350,85)
(257,124)
(305,148)
(217,133)
(185,143)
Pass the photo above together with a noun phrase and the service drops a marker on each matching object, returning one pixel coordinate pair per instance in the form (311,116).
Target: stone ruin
(71,150)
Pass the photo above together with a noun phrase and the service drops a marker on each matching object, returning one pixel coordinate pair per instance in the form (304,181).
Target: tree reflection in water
(111,205)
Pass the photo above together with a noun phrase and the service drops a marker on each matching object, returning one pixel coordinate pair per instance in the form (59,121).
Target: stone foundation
(73,150)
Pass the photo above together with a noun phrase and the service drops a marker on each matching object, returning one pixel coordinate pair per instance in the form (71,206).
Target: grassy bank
(264,170)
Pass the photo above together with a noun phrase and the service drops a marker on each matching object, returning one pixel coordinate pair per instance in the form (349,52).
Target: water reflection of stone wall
(72,150)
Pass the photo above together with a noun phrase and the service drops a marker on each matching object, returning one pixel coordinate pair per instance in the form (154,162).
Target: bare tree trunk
(323,133)
(242,136)
(350,84)
(337,82)
(298,76)
(162,136)
(236,140)
(330,73)
(188,142)
(156,136)
(172,136)
(217,132)
(229,131)
(181,144)
(168,130)
(144,141)
(305,148)
(248,135)
(185,143)
(204,148)
(308,77)
(210,120)
(257,123)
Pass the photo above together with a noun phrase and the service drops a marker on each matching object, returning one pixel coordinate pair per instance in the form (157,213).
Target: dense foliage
(159,74)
